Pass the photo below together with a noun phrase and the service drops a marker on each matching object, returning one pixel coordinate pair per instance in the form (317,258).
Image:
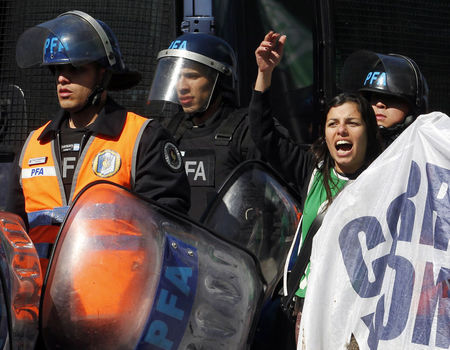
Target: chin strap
(95,96)
(391,133)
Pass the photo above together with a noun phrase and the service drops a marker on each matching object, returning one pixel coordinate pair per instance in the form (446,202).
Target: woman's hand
(268,56)
(269,52)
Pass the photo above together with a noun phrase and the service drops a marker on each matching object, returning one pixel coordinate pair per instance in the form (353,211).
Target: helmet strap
(95,96)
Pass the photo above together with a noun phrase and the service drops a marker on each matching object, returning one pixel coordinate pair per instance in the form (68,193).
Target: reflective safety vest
(104,157)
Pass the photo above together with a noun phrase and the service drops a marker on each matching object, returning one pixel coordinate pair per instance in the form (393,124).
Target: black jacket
(154,179)
(212,150)
(295,162)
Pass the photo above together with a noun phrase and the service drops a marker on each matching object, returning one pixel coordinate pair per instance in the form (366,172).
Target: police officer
(393,84)
(198,73)
(92,137)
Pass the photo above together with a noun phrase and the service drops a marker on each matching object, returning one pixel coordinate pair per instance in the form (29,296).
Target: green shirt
(316,197)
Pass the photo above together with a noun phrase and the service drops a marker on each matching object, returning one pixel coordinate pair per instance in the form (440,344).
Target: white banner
(380,264)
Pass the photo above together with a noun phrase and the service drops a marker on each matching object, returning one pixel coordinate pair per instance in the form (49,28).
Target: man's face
(193,89)
(75,84)
(389,110)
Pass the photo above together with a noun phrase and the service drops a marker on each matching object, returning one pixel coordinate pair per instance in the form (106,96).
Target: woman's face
(346,137)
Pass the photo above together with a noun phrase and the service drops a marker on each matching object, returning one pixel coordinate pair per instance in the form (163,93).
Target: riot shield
(127,274)
(259,211)
(21,282)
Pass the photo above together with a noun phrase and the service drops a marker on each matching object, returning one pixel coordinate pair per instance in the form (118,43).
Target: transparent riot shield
(127,274)
(21,282)
(257,210)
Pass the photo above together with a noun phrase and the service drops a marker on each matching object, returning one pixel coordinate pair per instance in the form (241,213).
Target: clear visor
(65,39)
(183,82)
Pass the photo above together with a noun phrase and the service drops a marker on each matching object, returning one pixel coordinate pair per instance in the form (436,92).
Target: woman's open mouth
(343,147)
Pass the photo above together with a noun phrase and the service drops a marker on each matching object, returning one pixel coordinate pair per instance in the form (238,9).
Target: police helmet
(391,74)
(75,38)
(210,55)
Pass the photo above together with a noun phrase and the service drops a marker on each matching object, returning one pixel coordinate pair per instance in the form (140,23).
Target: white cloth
(380,263)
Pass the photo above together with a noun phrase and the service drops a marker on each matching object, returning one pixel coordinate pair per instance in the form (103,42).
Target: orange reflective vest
(112,159)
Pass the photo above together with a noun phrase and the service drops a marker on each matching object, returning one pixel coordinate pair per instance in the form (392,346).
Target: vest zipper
(82,144)
(59,160)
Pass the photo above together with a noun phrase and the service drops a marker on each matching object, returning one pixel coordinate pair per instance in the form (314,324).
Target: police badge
(106,163)
(172,156)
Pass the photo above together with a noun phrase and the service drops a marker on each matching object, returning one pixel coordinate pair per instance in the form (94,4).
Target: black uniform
(212,150)
(156,178)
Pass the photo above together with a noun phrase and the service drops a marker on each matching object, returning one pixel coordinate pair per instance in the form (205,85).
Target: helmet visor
(184,82)
(63,40)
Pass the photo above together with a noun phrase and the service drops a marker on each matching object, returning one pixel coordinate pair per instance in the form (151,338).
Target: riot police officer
(198,73)
(393,84)
(92,137)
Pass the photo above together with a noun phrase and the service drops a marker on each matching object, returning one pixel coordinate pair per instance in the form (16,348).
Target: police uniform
(119,146)
(212,150)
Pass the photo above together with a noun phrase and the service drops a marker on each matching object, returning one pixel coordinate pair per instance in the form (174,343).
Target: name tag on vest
(199,166)
(38,160)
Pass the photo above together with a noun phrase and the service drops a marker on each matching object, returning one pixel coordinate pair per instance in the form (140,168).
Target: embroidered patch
(106,163)
(172,156)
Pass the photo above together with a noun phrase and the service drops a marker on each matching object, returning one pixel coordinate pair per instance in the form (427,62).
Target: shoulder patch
(106,163)
(172,156)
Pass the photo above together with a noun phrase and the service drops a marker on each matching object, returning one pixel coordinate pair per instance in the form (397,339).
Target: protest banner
(380,263)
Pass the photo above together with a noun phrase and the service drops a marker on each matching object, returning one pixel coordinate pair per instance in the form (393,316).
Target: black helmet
(207,53)
(75,38)
(391,74)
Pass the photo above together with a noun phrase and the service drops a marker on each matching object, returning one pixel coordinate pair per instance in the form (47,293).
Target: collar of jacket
(110,121)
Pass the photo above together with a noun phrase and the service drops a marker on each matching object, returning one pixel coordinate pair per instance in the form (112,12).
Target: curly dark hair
(324,161)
